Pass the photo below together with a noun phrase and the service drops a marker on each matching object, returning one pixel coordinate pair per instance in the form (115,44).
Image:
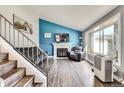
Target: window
(96,42)
(108,40)
(103,40)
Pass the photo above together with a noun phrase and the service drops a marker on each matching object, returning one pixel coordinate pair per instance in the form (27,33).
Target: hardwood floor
(67,73)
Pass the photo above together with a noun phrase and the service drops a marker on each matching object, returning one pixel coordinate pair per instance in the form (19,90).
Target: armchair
(76,53)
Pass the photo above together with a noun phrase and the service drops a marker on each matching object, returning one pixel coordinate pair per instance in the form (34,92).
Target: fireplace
(62,52)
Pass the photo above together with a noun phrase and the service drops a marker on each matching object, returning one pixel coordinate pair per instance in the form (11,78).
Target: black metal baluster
(32,53)
(42,59)
(37,56)
(27,49)
(18,42)
(23,45)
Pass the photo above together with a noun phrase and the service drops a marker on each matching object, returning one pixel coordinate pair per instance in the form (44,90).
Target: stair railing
(23,45)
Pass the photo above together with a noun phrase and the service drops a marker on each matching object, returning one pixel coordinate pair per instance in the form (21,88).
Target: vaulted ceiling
(77,17)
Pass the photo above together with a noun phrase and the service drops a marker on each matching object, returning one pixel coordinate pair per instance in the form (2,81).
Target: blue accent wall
(47,43)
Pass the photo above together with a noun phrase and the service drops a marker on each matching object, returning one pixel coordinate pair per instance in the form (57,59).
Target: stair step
(7,66)
(14,76)
(37,84)
(3,57)
(25,82)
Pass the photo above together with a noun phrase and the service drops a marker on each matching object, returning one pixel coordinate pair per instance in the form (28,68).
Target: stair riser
(3,57)
(7,67)
(15,78)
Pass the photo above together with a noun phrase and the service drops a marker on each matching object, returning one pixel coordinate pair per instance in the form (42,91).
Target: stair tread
(5,62)
(9,74)
(25,81)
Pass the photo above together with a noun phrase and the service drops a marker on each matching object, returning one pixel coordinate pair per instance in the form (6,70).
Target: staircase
(10,74)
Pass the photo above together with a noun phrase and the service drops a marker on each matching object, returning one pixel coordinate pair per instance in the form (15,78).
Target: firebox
(62,52)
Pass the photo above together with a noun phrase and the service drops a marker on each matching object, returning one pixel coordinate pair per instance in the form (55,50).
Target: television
(62,37)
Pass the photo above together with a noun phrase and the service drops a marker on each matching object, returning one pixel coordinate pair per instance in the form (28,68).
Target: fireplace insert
(62,52)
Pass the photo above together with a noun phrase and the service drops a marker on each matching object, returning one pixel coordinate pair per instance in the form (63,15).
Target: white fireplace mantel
(60,45)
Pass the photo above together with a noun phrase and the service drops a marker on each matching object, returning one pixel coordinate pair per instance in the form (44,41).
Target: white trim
(50,56)
(62,58)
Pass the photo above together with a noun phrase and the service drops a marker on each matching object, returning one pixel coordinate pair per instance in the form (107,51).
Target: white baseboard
(62,58)
(50,56)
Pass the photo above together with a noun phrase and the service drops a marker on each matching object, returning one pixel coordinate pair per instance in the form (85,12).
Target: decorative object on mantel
(80,38)
(22,25)
(47,35)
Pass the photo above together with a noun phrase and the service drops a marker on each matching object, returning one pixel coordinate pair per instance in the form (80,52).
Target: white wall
(8,11)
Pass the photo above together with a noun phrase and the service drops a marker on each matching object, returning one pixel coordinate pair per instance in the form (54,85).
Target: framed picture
(47,35)
(22,25)
(62,37)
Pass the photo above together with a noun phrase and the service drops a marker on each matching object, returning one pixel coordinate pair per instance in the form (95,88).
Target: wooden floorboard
(67,73)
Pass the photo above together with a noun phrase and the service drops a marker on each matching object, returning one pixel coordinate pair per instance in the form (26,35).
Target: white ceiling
(77,17)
